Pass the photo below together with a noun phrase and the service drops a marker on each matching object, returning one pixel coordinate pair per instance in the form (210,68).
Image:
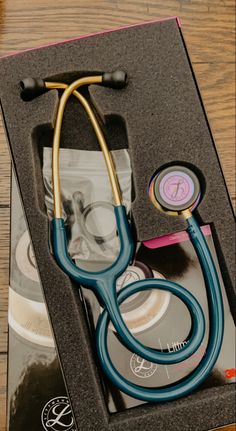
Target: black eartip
(117,79)
(31,88)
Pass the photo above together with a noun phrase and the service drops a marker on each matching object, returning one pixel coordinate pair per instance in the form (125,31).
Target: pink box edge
(173,238)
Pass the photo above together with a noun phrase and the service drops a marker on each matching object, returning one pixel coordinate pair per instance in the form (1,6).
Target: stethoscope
(174,190)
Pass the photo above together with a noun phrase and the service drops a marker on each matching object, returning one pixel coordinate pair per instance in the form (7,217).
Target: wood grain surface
(209,30)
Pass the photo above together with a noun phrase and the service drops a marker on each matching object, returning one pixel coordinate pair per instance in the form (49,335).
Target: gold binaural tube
(68,90)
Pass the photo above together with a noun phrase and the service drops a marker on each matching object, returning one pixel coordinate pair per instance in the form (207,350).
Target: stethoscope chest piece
(175,189)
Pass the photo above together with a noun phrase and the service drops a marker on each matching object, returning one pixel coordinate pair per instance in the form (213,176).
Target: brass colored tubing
(71,89)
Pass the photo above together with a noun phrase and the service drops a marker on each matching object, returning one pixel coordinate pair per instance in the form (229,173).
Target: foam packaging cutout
(160,117)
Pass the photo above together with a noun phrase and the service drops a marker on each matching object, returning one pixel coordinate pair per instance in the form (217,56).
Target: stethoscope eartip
(31,88)
(116,79)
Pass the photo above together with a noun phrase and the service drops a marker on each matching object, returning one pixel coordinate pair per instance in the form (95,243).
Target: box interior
(160,118)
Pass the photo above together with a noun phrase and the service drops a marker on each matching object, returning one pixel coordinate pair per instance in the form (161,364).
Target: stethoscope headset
(174,190)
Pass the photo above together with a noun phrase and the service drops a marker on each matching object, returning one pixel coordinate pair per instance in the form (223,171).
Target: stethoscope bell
(175,189)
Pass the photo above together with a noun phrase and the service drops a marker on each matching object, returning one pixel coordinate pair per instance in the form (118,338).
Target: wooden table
(208,27)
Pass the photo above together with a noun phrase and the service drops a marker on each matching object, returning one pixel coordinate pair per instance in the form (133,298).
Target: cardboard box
(161,118)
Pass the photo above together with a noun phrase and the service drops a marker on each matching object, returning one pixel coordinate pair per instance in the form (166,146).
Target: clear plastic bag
(87,201)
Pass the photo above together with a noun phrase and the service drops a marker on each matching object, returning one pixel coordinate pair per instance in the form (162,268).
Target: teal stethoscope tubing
(192,381)
(103,283)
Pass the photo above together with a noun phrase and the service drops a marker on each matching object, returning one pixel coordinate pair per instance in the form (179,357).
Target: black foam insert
(159,116)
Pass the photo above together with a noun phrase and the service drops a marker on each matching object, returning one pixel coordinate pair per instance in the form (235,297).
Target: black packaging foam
(159,116)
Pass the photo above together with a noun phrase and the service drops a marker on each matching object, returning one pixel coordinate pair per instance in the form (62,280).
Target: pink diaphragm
(175,188)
